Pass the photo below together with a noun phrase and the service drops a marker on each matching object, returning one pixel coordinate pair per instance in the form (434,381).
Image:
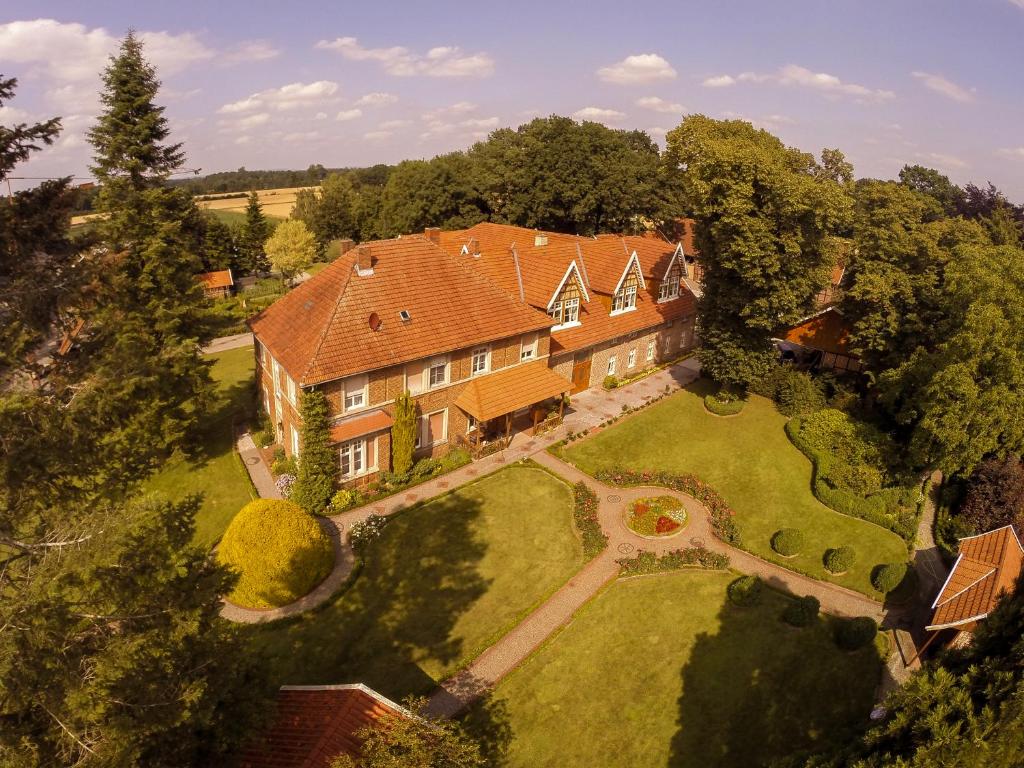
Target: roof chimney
(473,246)
(539,240)
(364,261)
(433,234)
(346,245)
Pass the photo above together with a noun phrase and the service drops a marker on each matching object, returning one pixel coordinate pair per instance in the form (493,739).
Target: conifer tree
(317,463)
(403,434)
(254,236)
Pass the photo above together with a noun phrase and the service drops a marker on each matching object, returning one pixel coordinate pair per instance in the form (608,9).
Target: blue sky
(354,83)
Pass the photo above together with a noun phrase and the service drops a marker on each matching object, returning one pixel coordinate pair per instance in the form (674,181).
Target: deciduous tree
(291,248)
(995,495)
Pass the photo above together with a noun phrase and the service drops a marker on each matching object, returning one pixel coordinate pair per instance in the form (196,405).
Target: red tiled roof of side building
(219,279)
(988,566)
(314,724)
(321,330)
(827,331)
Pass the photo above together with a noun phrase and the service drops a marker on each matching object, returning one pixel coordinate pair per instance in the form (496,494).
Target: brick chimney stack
(346,245)
(433,234)
(364,261)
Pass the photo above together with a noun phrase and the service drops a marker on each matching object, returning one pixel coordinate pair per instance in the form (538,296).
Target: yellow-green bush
(279,552)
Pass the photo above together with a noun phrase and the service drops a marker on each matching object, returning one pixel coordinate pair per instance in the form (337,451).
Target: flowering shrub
(691,557)
(284,484)
(344,499)
(585,516)
(656,515)
(721,513)
(365,531)
(665,525)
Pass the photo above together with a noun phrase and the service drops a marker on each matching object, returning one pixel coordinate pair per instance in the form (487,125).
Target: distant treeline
(244,180)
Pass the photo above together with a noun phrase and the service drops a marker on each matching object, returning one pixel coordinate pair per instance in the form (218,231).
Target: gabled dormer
(564,306)
(629,285)
(668,286)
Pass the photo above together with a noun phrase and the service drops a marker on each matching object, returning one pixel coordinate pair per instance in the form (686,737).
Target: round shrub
(745,591)
(344,499)
(788,541)
(801,611)
(279,552)
(840,559)
(851,634)
(885,578)
(723,404)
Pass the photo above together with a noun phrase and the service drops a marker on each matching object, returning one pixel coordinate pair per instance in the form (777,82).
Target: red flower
(665,525)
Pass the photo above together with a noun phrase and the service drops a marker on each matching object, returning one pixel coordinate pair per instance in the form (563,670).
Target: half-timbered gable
(565,303)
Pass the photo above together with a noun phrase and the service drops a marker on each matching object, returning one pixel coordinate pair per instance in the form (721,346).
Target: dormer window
(669,288)
(625,299)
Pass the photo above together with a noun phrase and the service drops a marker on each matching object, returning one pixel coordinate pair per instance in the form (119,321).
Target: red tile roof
(357,426)
(988,566)
(219,279)
(510,389)
(314,724)
(827,331)
(321,330)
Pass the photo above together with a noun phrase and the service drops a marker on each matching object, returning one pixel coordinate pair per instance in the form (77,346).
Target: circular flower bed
(656,516)
(279,552)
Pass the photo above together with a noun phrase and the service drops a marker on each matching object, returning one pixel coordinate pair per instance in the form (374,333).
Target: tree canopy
(291,248)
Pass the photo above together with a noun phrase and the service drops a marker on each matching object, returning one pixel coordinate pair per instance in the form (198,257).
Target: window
(572,311)
(669,287)
(355,392)
(650,351)
(625,299)
(528,347)
(263,354)
(275,374)
(481,362)
(353,458)
(266,400)
(414,377)
(291,389)
(611,365)
(438,371)
(433,429)
(295,442)
(470,423)
(556,312)
(631,360)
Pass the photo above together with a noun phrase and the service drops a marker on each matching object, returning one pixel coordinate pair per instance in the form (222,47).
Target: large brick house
(479,325)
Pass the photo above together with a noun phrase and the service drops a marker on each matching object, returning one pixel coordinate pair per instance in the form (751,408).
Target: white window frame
(291,388)
(624,300)
(263,353)
(434,363)
(631,359)
(356,450)
(295,442)
(485,352)
(612,365)
(556,313)
(275,374)
(650,351)
(668,290)
(528,351)
(470,423)
(422,427)
(360,393)
(266,400)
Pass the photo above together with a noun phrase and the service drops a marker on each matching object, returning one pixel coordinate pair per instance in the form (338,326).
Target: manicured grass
(214,470)
(445,581)
(755,467)
(662,671)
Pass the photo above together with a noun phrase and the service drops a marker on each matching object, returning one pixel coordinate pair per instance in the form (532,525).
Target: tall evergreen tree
(254,236)
(318,464)
(403,434)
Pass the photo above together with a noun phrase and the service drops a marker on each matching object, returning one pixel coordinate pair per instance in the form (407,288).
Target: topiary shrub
(318,462)
(344,499)
(788,541)
(886,577)
(723,404)
(851,634)
(610,382)
(745,591)
(840,559)
(279,552)
(801,611)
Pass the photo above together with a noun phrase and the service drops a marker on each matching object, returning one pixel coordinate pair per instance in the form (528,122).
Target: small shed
(217,285)
(821,341)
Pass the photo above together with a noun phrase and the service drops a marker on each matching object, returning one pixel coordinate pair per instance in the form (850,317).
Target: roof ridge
(330,321)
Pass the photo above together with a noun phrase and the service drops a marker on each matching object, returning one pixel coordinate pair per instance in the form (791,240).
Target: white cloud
(942,160)
(947,88)
(640,68)
(348,114)
(320,116)
(658,104)
(1016,153)
(251,121)
(1018,3)
(767,122)
(483,122)
(251,50)
(376,99)
(242,140)
(291,96)
(796,76)
(458,108)
(598,114)
(377,135)
(389,125)
(441,61)
(297,136)
(719,81)
(12,116)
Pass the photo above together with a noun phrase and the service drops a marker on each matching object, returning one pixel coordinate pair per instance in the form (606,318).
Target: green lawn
(444,582)
(661,671)
(215,471)
(752,463)
(236,217)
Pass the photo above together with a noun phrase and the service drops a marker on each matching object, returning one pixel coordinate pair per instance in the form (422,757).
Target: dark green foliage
(429,193)
(220,250)
(403,434)
(937,186)
(840,559)
(801,611)
(855,633)
(885,578)
(721,404)
(318,464)
(253,237)
(995,496)
(796,393)
(788,541)
(763,211)
(745,591)
(610,382)
(691,557)
(585,505)
(329,215)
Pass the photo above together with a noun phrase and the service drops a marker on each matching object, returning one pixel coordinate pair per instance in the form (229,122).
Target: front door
(581,374)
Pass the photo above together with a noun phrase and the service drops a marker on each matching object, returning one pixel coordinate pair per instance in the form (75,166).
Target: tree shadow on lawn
(214,435)
(759,690)
(398,615)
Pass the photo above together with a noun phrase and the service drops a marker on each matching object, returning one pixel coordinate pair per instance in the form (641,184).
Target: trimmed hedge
(840,559)
(895,508)
(852,634)
(721,513)
(279,552)
(690,557)
(801,611)
(788,541)
(745,591)
(723,407)
(886,577)
(795,392)
(585,504)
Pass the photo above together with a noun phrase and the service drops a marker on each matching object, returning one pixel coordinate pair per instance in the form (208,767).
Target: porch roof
(511,389)
(360,425)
